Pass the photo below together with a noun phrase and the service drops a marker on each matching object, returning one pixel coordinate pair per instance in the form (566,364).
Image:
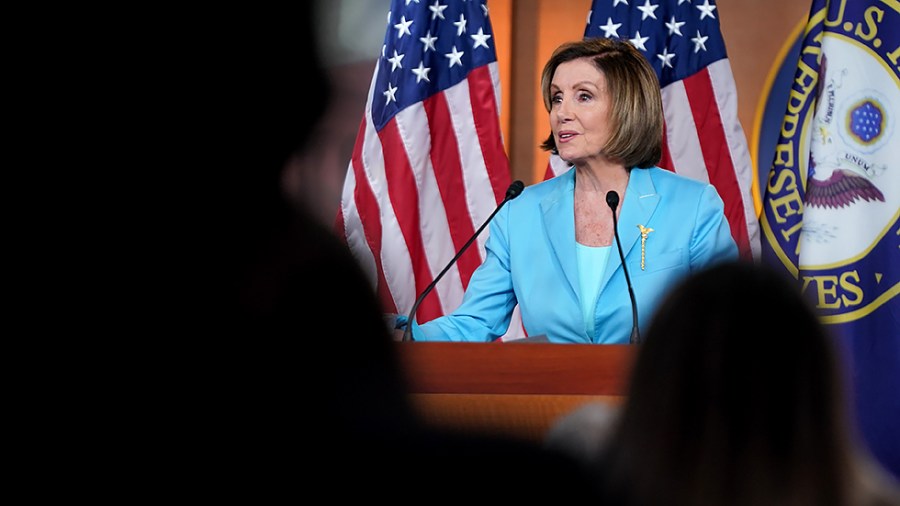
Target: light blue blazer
(531,261)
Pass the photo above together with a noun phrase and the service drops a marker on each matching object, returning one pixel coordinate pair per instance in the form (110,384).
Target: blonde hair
(637,111)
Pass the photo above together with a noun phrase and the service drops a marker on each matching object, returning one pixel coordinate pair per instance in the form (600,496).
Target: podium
(517,389)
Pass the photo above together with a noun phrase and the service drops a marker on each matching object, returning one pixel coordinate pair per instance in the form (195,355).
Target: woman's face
(579,110)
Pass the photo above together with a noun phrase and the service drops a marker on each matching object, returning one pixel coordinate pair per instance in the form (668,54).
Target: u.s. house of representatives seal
(833,195)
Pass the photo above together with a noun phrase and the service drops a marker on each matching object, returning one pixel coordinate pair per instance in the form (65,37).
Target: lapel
(558,209)
(638,205)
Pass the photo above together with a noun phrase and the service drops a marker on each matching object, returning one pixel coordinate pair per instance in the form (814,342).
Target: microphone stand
(512,192)
(612,200)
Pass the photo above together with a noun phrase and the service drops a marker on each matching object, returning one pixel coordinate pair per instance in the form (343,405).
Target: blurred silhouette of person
(286,380)
(736,397)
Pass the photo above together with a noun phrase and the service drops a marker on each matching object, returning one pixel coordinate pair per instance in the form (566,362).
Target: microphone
(512,192)
(612,200)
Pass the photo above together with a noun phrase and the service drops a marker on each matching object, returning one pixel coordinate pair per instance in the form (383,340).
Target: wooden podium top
(516,368)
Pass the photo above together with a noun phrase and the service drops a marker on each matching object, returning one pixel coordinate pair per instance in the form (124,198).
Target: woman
(551,249)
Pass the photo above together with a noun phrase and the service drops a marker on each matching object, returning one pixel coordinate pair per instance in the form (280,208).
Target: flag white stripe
(353,226)
(414,130)
(439,248)
(557,165)
(494,69)
(725,91)
(479,195)
(681,133)
(395,256)
(353,230)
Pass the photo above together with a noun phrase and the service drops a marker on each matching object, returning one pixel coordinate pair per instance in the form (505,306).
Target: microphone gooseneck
(612,200)
(512,192)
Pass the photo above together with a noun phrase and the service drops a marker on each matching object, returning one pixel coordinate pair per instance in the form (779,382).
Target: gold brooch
(644,232)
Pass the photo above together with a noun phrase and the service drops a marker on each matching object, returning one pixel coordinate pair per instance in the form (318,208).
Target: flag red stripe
(370,216)
(404,197)
(339,226)
(485,114)
(665,161)
(717,156)
(445,155)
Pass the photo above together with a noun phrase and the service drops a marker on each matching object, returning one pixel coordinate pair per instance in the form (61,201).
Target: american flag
(428,167)
(703,138)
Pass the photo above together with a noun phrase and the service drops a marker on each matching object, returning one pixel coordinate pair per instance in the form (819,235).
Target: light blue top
(591,264)
(530,260)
